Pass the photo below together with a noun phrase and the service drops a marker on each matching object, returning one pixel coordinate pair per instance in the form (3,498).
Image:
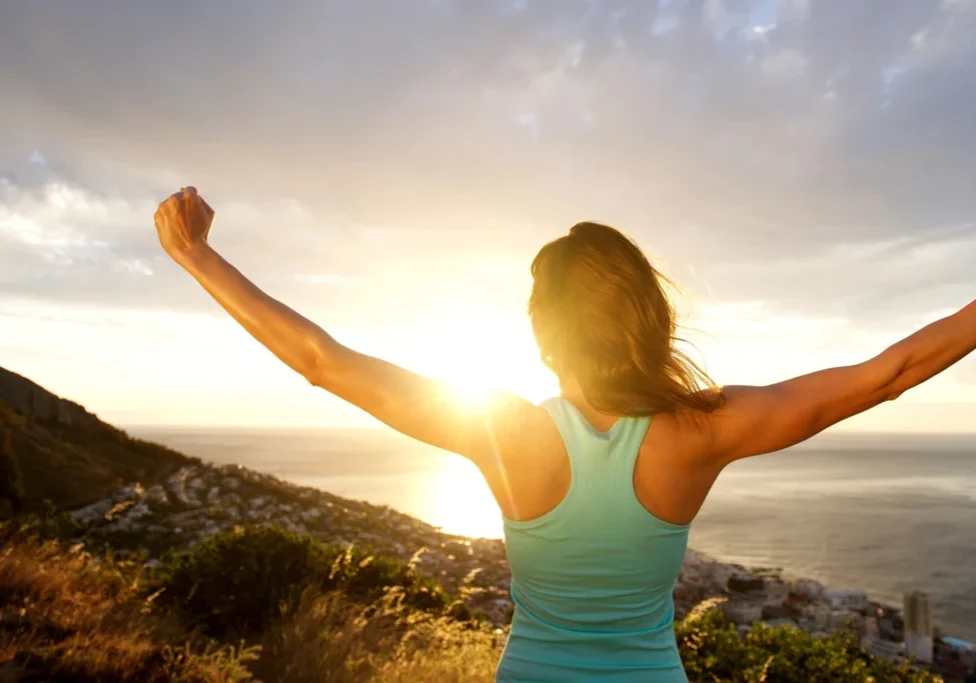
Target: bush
(713,650)
(238,580)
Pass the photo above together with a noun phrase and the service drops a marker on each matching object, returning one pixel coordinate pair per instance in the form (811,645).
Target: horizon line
(381,427)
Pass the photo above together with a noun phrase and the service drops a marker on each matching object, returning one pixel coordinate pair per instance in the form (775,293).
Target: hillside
(66,454)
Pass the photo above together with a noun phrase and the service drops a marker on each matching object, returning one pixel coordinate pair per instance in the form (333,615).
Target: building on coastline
(957,651)
(869,627)
(808,589)
(743,612)
(918,626)
(850,600)
(775,593)
(958,644)
(882,648)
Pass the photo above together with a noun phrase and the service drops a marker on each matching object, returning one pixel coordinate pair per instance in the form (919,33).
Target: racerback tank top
(593,578)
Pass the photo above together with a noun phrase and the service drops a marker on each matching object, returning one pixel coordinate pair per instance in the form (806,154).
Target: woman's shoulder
(681,436)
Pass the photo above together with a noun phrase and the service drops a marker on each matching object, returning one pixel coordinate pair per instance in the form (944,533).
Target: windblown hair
(600,314)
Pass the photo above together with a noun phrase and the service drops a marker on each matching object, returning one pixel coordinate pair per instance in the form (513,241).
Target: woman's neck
(571,391)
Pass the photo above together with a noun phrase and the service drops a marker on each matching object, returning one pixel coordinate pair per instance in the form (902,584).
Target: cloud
(785,64)
(749,139)
(893,282)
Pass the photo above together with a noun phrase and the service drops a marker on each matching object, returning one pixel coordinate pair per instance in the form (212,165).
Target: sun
(476,363)
(471,393)
(477,354)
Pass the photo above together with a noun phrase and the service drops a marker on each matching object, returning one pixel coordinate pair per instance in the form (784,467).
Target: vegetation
(77,463)
(713,650)
(66,614)
(11,480)
(236,581)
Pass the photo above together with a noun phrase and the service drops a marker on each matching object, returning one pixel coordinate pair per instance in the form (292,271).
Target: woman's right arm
(756,420)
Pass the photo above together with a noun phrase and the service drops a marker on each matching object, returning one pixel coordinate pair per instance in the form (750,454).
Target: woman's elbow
(322,364)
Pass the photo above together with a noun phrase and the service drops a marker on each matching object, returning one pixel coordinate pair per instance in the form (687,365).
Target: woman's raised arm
(420,407)
(762,419)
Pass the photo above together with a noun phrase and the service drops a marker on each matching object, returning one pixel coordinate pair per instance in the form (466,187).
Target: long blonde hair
(600,314)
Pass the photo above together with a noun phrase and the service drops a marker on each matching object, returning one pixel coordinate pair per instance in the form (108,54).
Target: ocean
(887,513)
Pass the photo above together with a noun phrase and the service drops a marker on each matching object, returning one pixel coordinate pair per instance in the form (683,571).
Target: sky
(804,170)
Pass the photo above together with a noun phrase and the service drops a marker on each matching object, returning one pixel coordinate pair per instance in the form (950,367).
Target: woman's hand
(183,222)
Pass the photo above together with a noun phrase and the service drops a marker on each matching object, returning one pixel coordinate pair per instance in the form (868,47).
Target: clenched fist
(183,222)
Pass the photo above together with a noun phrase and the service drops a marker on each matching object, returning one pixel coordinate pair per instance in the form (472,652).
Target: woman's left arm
(418,406)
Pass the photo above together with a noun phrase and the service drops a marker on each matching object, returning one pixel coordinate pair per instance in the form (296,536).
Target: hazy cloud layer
(818,156)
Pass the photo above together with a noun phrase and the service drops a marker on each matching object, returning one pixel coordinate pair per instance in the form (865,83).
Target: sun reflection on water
(463,503)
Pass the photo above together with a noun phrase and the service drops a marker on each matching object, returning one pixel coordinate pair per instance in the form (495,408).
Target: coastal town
(198,501)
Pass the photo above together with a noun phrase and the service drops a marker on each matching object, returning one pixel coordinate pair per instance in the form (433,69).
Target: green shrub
(239,579)
(712,650)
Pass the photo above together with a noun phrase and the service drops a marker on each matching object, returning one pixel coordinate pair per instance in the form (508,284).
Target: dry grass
(71,616)
(67,615)
(325,638)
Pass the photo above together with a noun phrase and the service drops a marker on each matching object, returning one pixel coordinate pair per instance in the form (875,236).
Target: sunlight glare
(471,393)
(464,504)
(478,353)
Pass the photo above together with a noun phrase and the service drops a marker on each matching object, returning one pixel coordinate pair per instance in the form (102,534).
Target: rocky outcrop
(197,501)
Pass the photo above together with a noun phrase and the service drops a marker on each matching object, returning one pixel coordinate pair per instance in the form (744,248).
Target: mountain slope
(68,455)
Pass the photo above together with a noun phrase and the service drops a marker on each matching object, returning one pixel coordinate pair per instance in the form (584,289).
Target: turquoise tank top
(593,578)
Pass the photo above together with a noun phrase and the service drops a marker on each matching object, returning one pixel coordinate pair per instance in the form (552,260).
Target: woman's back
(592,579)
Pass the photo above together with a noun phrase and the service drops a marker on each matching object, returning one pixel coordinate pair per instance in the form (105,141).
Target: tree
(11,480)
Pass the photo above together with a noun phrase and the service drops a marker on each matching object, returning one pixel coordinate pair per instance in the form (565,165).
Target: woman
(597,486)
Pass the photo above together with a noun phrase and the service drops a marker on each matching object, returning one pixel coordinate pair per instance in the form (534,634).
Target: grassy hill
(254,604)
(296,612)
(66,454)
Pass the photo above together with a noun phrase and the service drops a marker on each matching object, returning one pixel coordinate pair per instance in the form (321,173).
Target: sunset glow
(399,203)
